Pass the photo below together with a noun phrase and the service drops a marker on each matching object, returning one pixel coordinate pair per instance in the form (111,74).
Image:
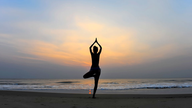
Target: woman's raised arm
(99,46)
(91,47)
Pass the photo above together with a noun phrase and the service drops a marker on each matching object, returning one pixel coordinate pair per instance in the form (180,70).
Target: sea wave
(104,84)
(90,86)
(146,87)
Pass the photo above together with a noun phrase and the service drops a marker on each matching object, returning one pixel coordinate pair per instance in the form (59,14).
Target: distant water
(115,85)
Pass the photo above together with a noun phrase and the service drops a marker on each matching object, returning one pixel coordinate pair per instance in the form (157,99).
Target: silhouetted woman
(95,70)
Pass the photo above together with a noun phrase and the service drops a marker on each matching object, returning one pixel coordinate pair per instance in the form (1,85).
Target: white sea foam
(104,84)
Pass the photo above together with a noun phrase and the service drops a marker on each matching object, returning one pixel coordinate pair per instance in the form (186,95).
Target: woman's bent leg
(88,74)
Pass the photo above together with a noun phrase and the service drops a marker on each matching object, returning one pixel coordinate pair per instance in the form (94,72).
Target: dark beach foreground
(18,99)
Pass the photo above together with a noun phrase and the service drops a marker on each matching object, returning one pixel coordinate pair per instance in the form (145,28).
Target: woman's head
(95,49)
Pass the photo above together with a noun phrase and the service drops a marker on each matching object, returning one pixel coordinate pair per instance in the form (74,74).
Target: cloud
(71,46)
(132,34)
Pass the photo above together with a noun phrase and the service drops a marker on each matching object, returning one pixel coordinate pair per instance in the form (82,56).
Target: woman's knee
(84,76)
(87,75)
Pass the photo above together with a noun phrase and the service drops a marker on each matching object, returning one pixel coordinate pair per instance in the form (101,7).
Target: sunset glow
(132,33)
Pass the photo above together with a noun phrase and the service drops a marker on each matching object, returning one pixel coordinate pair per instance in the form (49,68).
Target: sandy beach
(18,99)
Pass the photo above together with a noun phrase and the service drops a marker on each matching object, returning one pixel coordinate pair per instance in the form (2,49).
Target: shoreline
(132,91)
(75,95)
(24,99)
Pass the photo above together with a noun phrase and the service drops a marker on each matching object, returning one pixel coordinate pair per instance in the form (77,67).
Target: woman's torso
(95,60)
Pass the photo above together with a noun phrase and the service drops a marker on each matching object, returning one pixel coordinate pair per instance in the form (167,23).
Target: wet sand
(18,99)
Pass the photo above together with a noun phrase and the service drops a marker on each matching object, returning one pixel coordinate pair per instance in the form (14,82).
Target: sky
(51,38)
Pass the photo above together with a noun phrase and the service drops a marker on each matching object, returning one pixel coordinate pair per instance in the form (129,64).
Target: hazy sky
(51,38)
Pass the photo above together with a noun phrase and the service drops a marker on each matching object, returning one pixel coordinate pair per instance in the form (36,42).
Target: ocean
(106,86)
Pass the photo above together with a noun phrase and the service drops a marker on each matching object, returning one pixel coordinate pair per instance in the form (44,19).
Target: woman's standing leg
(96,77)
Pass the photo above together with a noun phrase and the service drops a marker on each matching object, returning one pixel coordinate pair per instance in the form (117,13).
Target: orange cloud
(71,47)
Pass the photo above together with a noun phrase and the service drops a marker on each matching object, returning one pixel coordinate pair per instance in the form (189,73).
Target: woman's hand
(96,40)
